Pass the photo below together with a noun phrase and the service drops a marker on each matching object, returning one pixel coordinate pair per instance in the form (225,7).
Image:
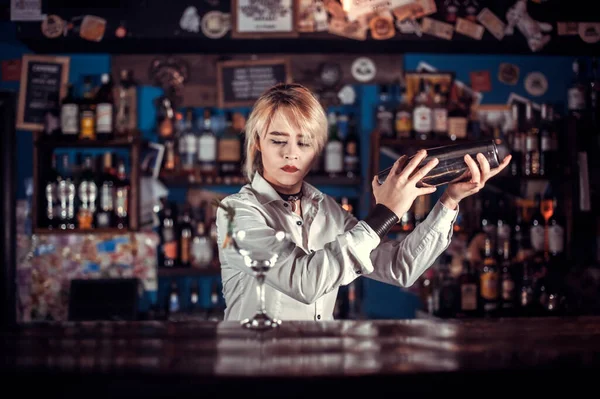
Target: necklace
(291,199)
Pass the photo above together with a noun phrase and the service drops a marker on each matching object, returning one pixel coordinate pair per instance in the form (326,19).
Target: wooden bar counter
(304,359)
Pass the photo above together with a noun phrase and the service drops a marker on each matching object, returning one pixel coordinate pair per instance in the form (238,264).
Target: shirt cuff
(442,217)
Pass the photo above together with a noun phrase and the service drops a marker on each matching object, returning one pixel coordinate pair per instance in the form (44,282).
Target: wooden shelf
(114,231)
(61,142)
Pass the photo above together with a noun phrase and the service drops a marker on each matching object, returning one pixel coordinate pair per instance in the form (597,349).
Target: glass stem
(260,290)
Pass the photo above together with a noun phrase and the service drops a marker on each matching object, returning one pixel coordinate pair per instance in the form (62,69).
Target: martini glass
(260,252)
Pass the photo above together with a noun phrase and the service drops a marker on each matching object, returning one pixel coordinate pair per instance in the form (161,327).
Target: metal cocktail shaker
(452,167)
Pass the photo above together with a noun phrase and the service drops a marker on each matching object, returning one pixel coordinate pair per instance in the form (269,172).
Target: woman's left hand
(456,192)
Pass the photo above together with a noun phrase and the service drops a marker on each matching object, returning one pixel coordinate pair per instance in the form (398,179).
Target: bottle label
(489,286)
(185,249)
(87,125)
(576,99)
(170,249)
(384,119)
(229,150)
(468,297)
(188,144)
(207,149)
(68,118)
(556,238)
(403,122)
(537,238)
(440,120)
(103,219)
(122,197)
(87,193)
(106,197)
(457,127)
(334,157)
(531,143)
(546,143)
(202,252)
(422,119)
(104,118)
(508,289)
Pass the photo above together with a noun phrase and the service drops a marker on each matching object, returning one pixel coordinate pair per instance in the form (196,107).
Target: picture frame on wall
(43,86)
(252,20)
(412,79)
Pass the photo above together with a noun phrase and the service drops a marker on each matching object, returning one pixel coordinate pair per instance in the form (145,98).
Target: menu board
(240,83)
(43,85)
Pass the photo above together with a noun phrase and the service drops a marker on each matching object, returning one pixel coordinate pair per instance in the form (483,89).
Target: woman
(328,247)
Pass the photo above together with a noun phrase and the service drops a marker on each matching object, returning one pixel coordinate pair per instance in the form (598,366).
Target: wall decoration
(190,20)
(352,30)
(43,86)
(470,29)
(382,26)
(363,69)
(359,8)
(216,24)
(534,31)
(437,28)
(241,82)
(481,81)
(92,28)
(306,18)
(53,26)
(258,19)
(536,84)
(170,74)
(412,81)
(494,119)
(508,73)
(567,28)
(492,23)
(11,70)
(589,32)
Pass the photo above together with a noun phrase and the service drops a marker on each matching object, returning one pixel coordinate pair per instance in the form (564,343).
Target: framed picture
(431,79)
(43,86)
(255,20)
(495,120)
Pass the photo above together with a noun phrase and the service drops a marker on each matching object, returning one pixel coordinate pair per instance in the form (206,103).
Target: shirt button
(285,204)
(318,317)
(299,223)
(359,271)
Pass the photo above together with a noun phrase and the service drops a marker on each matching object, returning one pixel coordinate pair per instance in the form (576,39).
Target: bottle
(440,113)
(173,300)
(537,227)
(122,200)
(384,115)
(347,206)
(52,207)
(207,149)
(422,113)
(576,94)
(517,143)
(202,247)
(69,114)
(351,149)
(105,214)
(194,302)
(88,192)
(170,161)
(451,166)
(215,312)
(105,108)
(451,10)
(489,223)
(125,96)
(468,290)
(526,307)
(66,195)
(471,10)
(188,143)
(185,239)
(403,120)
(546,151)
(508,294)
(230,151)
(168,238)
(556,235)
(503,229)
(532,149)
(334,149)
(87,112)
(489,280)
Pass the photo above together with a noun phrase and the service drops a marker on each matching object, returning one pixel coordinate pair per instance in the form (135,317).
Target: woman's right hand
(399,190)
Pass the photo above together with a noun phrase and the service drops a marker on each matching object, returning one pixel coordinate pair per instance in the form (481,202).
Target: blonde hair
(303,111)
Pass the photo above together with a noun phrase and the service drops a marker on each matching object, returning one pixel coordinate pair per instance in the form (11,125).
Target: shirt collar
(265,192)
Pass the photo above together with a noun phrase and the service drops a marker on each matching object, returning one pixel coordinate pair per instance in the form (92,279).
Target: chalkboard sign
(240,83)
(43,85)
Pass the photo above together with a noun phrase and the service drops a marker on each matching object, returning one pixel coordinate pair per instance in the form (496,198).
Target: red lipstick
(290,169)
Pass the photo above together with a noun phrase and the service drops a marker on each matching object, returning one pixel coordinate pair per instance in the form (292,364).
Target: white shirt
(329,247)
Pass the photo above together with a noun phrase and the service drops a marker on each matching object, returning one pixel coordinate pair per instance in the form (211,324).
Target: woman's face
(287,155)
